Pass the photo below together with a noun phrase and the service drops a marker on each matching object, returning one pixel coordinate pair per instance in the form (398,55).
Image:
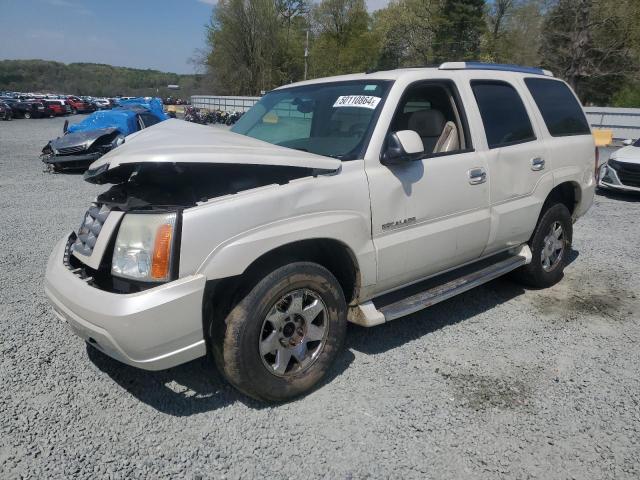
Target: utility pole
(306,54)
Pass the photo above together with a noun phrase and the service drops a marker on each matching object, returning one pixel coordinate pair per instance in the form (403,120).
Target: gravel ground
(499,382)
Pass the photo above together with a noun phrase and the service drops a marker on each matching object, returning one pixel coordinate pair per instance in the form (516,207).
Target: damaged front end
(146,190)
(162,172)
(74,152)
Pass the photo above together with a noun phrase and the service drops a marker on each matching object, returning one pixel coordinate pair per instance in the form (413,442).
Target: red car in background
(58,107)
(79,106)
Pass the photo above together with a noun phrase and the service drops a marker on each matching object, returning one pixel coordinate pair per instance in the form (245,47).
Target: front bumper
(610,179)
(155,329)
(70,162)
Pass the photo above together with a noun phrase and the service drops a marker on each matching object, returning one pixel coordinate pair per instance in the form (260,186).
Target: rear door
(517,160)
(571,147)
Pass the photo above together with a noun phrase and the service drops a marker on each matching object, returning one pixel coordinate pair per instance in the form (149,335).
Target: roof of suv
(411,71)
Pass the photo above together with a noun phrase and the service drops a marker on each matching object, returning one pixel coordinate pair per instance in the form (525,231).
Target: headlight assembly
(144,247)
(119,140)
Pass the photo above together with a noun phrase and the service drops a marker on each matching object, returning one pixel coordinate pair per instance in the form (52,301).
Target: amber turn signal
(161,259)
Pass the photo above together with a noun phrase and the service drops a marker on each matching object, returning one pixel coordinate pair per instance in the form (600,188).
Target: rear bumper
(155,329)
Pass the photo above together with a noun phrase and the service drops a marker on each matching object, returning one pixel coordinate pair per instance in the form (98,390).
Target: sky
(157,34)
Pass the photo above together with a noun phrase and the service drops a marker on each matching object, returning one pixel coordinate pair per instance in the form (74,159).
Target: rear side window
(503,114)
(558,106)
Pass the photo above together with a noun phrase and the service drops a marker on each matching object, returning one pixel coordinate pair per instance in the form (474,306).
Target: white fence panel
(224,103)
(625,122)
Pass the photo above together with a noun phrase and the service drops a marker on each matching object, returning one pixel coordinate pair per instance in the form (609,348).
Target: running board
(368,315)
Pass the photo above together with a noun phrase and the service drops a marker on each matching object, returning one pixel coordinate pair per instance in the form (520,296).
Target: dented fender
(222,238)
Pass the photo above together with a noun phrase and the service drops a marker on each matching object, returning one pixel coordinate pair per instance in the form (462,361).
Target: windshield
(330,119)
(637,143)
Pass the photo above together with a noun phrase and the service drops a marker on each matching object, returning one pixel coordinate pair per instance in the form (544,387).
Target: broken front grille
(90,229)
(628,173)
(71,150)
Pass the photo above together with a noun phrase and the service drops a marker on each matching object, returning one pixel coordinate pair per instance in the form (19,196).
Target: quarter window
(503,114)
(559,108)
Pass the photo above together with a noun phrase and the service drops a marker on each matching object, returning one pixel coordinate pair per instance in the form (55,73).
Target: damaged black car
(102,131)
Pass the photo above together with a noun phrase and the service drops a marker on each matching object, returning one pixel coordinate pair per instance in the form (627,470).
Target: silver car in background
(622,170)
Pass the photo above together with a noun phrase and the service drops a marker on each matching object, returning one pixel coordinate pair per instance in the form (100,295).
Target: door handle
(537,164)
(477,176)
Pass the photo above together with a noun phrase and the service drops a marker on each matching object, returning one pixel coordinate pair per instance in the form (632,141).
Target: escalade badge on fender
(398,224)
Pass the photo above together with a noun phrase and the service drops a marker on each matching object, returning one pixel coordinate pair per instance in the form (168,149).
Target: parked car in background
(622,170)
(28,109)
(5,111)
(100,132)
(79,106)
(59,107)
(102,103)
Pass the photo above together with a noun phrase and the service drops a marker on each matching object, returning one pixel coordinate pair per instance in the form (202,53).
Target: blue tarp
(122,117)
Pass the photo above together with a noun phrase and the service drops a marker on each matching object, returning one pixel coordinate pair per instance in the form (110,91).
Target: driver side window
(430,110)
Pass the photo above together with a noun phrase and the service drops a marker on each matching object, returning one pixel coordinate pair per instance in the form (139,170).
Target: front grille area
(90,229)
(71,150)
(628,173)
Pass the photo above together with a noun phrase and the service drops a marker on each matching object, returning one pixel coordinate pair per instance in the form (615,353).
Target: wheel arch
(337,257)
(567,193)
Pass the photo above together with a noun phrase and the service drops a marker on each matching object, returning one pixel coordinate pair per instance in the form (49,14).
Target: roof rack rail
(494,66)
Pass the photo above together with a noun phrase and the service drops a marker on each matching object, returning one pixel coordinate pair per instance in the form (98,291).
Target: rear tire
(282,337)
(27,115)
(550,245)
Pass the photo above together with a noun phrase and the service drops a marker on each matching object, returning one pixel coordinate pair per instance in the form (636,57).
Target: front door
(431,214)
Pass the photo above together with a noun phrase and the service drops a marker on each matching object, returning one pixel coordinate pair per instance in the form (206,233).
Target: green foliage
(459,30)
(592,45)
(628,96)
(343,42)
(92,79)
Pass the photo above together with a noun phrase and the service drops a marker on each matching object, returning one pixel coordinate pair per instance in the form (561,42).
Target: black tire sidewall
(535,275)
(241,362)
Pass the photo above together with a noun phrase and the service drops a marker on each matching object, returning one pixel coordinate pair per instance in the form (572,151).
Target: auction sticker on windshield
(363,101)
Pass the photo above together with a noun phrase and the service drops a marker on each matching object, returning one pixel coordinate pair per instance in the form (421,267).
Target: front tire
(27,115)
(550,245)
(282,337)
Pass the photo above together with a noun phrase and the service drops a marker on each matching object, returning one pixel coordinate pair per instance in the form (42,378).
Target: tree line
(256,45)
(94,79)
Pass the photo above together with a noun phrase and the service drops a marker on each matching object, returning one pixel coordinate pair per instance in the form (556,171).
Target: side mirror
(401,147)
(627,142)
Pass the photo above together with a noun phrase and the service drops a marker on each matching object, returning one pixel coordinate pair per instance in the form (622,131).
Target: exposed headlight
(144,247)
(119,140)
(613,164)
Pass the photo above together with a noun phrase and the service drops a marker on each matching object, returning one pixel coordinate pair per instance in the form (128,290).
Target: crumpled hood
(177,141)
(80,138)
(628,154)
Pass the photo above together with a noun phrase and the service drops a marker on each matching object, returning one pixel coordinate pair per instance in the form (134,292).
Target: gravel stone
(498,382)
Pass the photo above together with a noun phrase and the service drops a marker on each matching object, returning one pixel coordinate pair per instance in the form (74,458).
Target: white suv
(358,198)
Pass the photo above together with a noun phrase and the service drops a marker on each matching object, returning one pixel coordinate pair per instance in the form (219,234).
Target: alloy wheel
(293,333)
(553,247)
